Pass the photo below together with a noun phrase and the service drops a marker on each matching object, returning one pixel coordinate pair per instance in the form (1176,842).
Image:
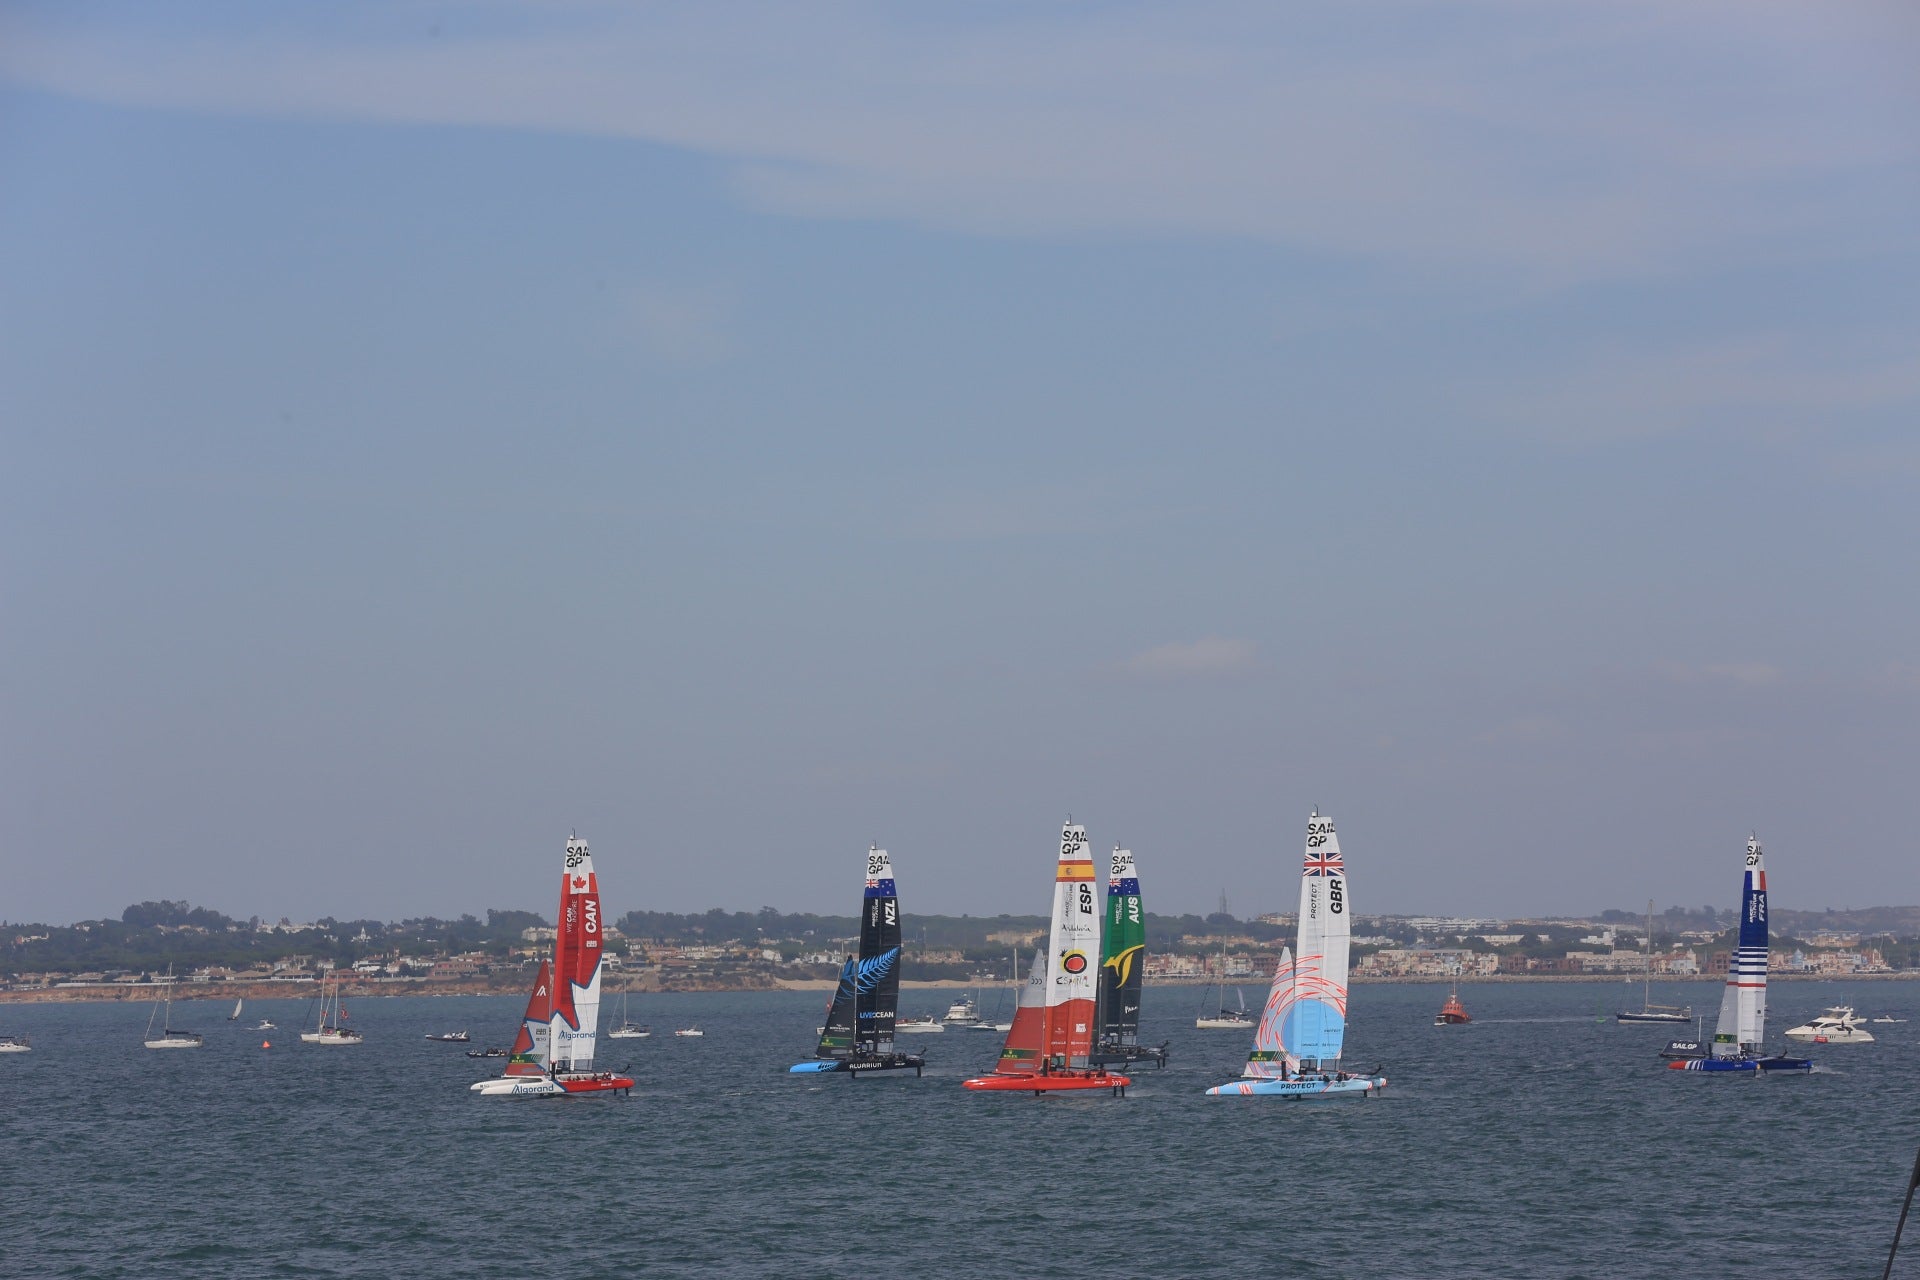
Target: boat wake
(1493,1022)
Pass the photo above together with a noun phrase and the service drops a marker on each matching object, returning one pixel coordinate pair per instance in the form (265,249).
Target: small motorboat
(1836,1026)
(918,1026)
(265,1025)
(451,1037)
(15,1044)
(1888,1019)
(486,1053)
(689,1033)
(1452,1013)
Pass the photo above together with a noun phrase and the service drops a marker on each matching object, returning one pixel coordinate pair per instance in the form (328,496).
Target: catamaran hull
(892,1062)
(548,1087)
(1354,1086)
(1128,1055)
(1049,1083)
(1742,1064)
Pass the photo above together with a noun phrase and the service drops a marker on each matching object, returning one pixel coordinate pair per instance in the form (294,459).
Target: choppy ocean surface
(1537,1142)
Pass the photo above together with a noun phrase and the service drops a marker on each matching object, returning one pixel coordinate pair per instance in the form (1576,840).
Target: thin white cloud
(1209,656)
(1769,382)
(1521,729)
(1745,674)
(682,326)
(1899,677)
(1565,140)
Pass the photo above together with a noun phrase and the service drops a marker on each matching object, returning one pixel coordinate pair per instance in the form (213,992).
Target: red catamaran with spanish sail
(1052,1037)
(553,1052)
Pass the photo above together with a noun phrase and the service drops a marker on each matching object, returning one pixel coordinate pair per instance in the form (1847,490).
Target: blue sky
(744,432)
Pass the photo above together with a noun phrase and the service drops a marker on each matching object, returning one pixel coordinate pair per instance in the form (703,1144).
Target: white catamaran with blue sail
(1302,1031)
(1742,1027)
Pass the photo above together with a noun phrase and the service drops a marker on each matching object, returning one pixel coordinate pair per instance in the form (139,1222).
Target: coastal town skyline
(824,893)
(658,951)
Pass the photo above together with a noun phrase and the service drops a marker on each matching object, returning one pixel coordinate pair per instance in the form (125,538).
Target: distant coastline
(515,984)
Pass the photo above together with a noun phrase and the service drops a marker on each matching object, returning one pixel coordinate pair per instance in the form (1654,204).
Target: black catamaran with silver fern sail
(858,1035)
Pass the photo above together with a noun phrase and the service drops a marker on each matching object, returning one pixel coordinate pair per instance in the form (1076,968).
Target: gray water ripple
(1534,1142)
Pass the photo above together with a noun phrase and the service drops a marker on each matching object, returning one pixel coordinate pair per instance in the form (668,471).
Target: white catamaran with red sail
(565,1004)
(1052,1038)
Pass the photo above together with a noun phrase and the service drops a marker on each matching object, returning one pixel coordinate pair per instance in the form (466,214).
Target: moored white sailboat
(168,1037)
(1738,1036)
(1013,987)
(332,1028)
(1302,1031)
(628,1029)
(1648,1011)
(569,1006)
(1052,1038)
(1222,1018)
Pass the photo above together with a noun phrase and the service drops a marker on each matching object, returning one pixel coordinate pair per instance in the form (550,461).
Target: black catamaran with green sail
(858,1035)
(1123,962)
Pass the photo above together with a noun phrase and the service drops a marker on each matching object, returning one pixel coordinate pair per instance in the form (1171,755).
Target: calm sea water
(1537,1142)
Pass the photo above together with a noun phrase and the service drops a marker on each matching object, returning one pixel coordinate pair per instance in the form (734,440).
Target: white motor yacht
(918,1026)
(962,1012)
(1836,1026)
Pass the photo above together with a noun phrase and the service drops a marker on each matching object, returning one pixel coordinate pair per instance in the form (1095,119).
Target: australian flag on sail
(881,889)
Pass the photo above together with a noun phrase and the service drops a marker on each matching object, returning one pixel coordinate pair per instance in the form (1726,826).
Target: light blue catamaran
(1297,1046)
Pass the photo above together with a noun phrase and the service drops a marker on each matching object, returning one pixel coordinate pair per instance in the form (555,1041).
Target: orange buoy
(266,1044)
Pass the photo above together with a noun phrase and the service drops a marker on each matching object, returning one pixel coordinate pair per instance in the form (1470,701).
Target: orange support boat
(1452,1013)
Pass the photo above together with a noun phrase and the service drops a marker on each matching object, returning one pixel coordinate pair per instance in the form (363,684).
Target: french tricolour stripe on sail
(1270,1059)
(575,1022)
(1314,1028)
(1743,1003)
(529,1057)
(1074,953)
